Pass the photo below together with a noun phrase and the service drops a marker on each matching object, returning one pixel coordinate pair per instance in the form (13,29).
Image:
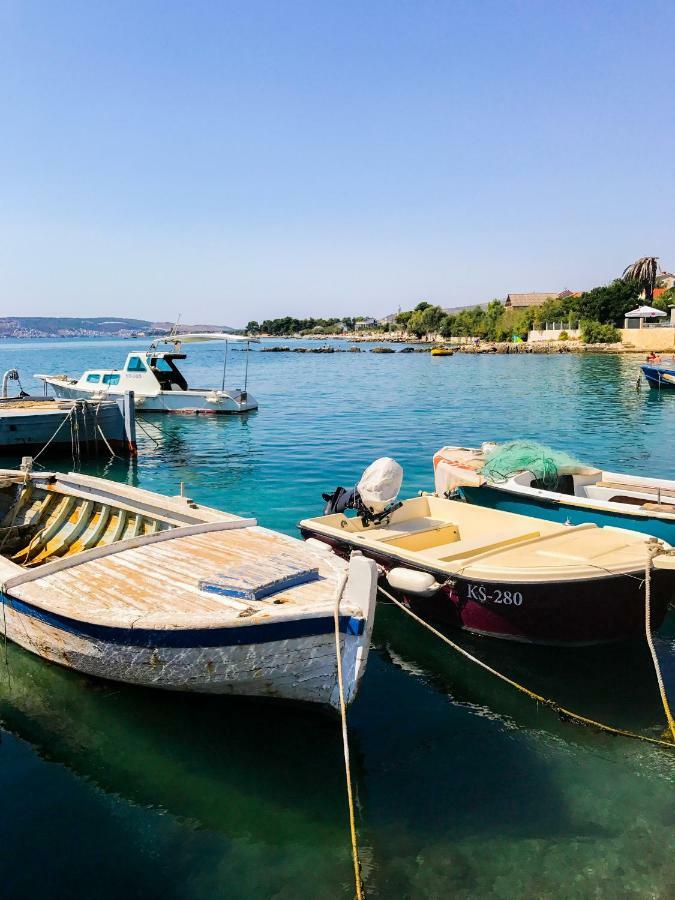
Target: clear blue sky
(240,160)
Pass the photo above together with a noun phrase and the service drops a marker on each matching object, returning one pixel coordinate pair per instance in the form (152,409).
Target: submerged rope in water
(564,713)
(345,740)
(654,549)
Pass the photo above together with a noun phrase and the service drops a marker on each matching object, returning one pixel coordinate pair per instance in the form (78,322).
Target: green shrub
(593,332)
(564,336)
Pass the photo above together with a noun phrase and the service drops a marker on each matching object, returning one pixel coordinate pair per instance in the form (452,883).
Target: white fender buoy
(410,581)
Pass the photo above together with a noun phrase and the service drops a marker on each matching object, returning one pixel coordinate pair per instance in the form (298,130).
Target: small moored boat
(529,478)
(442,351)
(497,573)
(158,384)
(660,375)
(38,425)
(133,586)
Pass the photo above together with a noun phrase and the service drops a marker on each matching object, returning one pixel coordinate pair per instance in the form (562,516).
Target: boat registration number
(506,598)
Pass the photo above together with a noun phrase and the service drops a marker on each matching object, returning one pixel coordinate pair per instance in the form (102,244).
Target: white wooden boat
(133,586)
(157,383)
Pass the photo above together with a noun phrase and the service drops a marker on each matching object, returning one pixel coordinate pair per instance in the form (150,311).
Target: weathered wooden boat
(505,575)
(32,425)
(568,491)
(133,586)
(158,384)
(659,375)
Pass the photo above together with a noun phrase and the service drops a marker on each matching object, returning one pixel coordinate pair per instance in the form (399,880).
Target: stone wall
(552,334)
(649,338)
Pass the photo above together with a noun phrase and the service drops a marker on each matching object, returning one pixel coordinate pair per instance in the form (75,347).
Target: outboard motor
(374,497)
(340,500)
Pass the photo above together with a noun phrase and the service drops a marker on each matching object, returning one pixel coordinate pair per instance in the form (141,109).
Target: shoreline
(416,345)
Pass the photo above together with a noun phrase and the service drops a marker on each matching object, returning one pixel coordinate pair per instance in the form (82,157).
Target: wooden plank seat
(659,507)
(483,544)
(401,529)
(638,488)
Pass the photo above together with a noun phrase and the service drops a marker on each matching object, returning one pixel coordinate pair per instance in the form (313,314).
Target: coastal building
(365,323)
(665,280)
(647,328)
(638,318)
(535,298)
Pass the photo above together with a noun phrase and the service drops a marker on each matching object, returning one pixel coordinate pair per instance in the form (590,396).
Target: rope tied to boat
(655,548)
(358,882)
(563,713)
(62,423)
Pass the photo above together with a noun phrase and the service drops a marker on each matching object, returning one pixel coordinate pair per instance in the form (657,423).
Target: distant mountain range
(74,326)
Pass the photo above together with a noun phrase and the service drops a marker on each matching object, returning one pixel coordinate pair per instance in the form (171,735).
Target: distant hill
(68,326)
(55,323)
(453,310)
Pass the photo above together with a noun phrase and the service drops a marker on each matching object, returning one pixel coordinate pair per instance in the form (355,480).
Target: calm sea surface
(464,788)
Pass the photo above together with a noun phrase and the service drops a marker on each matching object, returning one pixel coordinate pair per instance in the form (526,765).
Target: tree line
(287,325)
(597,312)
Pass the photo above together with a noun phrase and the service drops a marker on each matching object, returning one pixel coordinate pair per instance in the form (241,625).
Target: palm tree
(643,272)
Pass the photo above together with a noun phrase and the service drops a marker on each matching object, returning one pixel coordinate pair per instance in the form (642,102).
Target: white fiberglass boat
(157,383)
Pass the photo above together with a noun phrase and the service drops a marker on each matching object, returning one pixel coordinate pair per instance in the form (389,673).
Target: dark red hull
(592,611)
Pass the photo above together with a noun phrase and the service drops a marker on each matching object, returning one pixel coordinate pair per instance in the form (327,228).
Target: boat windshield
(167,373)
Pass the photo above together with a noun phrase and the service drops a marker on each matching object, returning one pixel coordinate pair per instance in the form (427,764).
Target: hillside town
(33,327)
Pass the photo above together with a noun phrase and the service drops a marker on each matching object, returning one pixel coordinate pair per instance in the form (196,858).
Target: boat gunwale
(543,575)
(200,634)
(510,486)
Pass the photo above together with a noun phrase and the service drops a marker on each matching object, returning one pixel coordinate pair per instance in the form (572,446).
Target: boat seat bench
(401,529)
(640,488)
(484,544)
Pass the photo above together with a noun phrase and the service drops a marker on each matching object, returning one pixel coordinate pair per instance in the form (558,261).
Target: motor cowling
(380,484)
(375,495)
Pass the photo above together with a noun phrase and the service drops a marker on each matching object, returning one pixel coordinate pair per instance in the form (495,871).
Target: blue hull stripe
(190,637)
(655,377)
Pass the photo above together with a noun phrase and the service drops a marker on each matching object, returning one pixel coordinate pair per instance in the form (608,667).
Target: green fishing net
(543,462)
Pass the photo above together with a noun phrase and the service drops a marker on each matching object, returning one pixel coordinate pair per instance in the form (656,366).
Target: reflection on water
(464,787)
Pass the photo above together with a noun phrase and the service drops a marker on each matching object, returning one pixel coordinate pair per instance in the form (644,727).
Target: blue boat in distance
(660,375)
(575,494)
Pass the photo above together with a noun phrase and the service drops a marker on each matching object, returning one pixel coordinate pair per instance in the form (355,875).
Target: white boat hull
(301,669)
(187,402)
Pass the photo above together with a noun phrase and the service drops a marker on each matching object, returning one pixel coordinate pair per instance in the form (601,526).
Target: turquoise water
(464,788)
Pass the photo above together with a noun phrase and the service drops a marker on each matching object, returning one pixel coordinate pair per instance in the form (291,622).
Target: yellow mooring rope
(565,713)
(654,549)
(345,742)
